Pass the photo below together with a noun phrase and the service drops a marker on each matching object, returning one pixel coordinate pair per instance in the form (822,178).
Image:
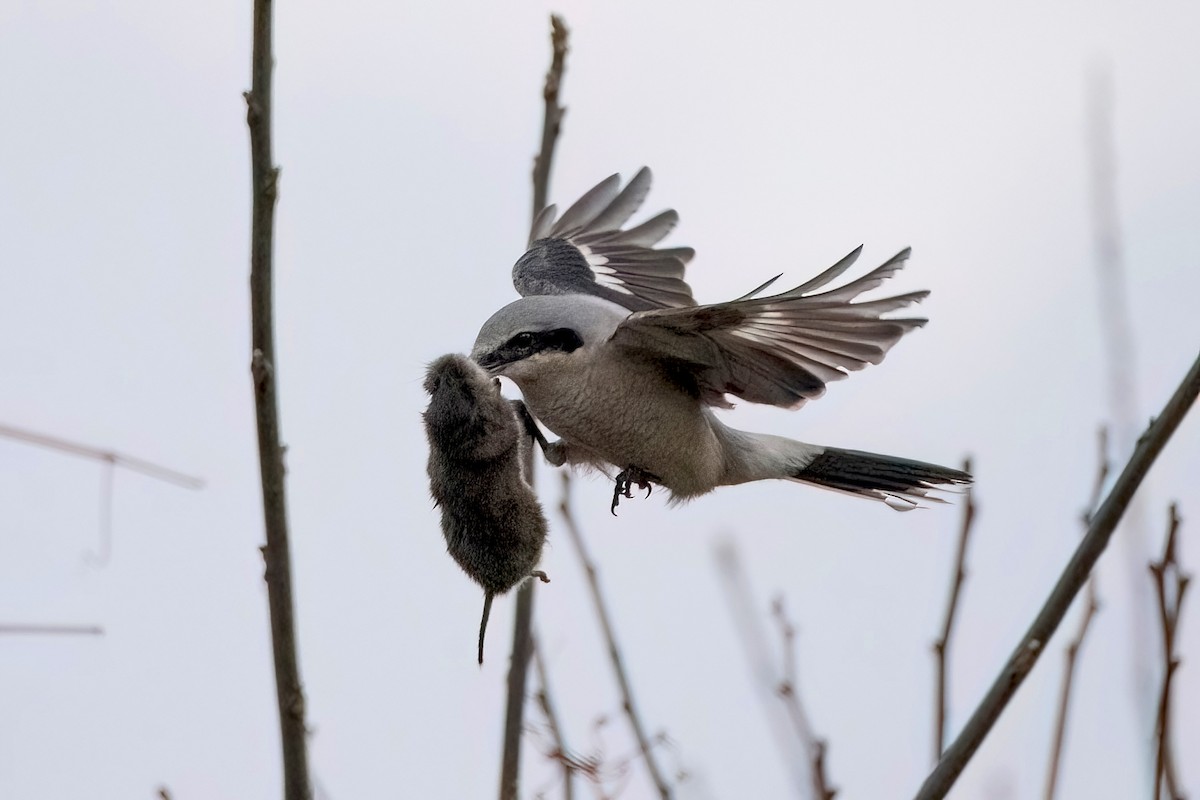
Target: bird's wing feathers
(585,251)
(780,350)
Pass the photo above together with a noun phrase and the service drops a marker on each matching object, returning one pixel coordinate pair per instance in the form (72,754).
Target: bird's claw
(625,482)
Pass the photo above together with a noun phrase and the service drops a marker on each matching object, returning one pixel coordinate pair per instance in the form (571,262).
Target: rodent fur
(492,522)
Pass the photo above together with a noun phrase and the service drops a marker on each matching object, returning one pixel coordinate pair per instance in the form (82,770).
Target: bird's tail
(901,483)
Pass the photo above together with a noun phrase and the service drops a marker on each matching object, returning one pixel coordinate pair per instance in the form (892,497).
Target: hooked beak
(493,363)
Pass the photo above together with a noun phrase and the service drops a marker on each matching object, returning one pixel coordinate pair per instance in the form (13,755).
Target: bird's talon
(625,482)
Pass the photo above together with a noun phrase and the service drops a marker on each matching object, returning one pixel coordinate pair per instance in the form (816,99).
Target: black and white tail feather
(902,483)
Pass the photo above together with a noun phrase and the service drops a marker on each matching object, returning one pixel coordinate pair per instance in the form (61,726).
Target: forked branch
(1170,583)
(546,701)
(610,640)
(789,691)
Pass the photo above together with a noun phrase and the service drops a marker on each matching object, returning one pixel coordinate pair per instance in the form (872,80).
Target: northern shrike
(612,354)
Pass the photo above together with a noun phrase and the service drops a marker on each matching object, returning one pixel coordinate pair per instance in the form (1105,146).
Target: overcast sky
(785,135)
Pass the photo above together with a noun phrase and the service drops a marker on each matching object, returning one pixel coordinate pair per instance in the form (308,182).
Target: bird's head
(537,333)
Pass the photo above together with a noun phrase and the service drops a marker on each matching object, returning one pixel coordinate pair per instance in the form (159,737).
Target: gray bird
(612,354)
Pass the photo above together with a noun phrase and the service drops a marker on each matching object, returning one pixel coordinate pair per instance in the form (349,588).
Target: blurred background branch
(1119,338)
(750,630)
(614,652)
(109,459)
(789,691)
(546,703)
(52,630)
(133,463)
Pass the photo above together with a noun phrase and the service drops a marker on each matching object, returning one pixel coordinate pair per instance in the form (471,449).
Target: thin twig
(110,460)
(522,646)
(1091,606)
(552,121)
(106,456)
(107,482)
(614,653)
(1074,576)
(548,708)
(1072,650)
(1170,583)
(789,690)
(943,642)
(52,630)
(276,553)
(750,629)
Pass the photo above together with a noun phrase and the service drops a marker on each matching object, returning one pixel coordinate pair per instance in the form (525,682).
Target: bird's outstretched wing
(780,350)
(585,251)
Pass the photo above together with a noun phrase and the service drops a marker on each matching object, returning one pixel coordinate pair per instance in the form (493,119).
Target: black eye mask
(527,343)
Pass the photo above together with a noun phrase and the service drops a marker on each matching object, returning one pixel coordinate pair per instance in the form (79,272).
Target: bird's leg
(555,452)
(531,426)
(625,481)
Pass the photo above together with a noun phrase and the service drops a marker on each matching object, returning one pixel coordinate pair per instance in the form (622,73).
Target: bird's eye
(523,339)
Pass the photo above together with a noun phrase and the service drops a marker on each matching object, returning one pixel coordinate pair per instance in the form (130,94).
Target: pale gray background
(785,134)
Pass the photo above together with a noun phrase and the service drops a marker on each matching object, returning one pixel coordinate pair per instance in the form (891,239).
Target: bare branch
(522,647)
(110,459)
(1064,697)
(52,630)
(750,629)
(589,566)
(276,553)
(106,456)
(789,690)
(108,478)
(1170,583)
(1074,576)
(518,669)
(1117,329)
(1085,621)
(552,121)
(547,705)
(943,642)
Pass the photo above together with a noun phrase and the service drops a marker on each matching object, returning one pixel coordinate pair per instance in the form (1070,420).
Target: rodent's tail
(487,612)
(901,483)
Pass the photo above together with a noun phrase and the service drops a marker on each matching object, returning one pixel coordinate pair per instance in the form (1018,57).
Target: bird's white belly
(630,417)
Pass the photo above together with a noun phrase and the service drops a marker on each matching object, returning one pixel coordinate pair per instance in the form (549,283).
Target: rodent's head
(467,418)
